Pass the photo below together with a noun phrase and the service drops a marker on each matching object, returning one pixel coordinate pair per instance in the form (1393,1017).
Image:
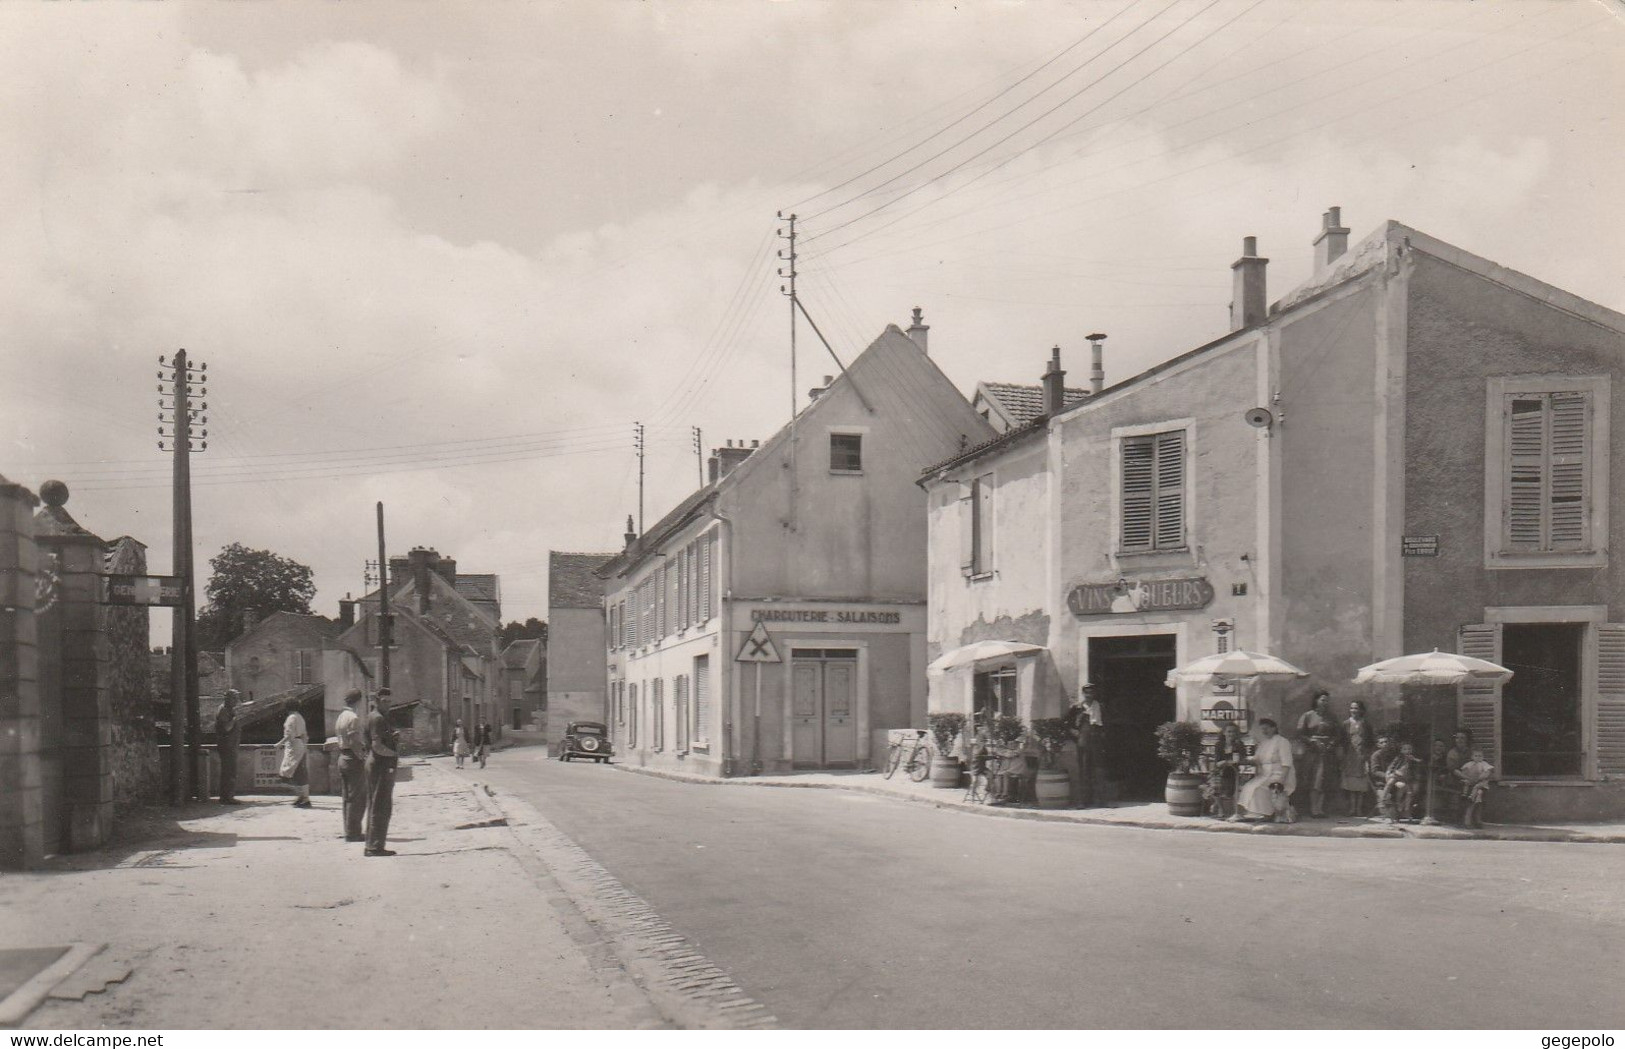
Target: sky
(444,256)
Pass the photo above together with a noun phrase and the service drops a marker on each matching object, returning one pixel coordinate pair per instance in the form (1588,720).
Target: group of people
(1368,766)
(369,751)
(479,748)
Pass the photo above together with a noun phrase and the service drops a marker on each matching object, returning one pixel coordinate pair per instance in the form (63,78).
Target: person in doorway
(295,767)
(352,767)
(1355,753)
(228,732)
(1269,791)
(1316,748)
(1475,782)
(485,742)
(459,744)
(383,753)
(1083,723)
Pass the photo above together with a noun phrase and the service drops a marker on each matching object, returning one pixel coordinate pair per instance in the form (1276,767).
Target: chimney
(724,459)
(1248,304)
(1097,363)
(251,618)
(1333,240)
(447,570)
(424,562)
(631,535)
(1054,384)
(346,612)
(812,394)
(919,330)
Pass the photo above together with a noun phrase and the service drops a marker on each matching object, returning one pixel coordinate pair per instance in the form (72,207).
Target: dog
(1282,803)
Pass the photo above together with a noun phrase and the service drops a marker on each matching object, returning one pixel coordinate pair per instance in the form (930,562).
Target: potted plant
(1179,743)
(1054,783)
(1009,730)
(945,729)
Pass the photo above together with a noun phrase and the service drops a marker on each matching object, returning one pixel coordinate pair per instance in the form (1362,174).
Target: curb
(19,1003)
(1301,829)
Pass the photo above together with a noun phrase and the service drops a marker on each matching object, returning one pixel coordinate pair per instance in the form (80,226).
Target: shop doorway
(1130,673)
(1540,706)
(823,708)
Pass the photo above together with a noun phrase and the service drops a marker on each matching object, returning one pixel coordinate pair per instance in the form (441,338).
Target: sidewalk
(262,916)
(1151,815)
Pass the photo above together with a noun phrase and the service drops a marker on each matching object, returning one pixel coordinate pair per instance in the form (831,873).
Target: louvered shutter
(707,577)
(631,715)
(1478,705)
(984,524)
(1610,725)
(1569,426)
(702,698)
(1139,492)
(967,528)
(1526,473)
(1170,531)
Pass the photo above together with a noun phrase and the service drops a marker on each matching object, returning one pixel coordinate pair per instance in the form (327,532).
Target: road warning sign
(758,647)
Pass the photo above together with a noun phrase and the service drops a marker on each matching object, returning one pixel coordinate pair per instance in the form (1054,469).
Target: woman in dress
(459,744)
(1316,747)
(295,769)
(1266,792)
(1358,742)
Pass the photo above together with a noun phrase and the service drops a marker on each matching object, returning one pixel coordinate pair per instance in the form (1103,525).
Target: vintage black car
(585,739)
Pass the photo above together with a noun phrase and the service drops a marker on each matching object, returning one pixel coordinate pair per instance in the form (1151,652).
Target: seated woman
(1268,793)
(1221,778)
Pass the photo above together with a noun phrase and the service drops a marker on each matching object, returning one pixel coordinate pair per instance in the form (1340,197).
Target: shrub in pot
(945,729)
(1179,743)
(1054,785)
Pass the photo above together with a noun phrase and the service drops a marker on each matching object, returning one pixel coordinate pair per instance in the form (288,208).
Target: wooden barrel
(945,772)
(1054,789)
(1184,793)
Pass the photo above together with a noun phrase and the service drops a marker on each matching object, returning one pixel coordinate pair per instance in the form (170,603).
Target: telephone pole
(699,455)
(185,423)
(637,442)
(385,622)
(789,273)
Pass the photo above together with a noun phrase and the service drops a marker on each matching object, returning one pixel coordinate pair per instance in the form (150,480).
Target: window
(1546,472)
(303,664)
(977,528)
(702,698)
(1153,492)
(657,715)
(679,696)
(994,692)
(846,453)
(631,715)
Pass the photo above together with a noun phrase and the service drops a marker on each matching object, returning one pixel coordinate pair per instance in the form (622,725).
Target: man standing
(227,734)
(383,751)
(352,767)
(485,742)
(1084,721)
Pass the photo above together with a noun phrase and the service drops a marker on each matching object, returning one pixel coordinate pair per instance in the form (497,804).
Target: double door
(823,707)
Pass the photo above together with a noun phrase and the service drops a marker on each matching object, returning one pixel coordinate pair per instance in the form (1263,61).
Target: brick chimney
(814,393)
(1333,240)
(425,563)
(1054,384)
(1097,363)
(346,612)
(251,619)
(631,535)
(724,459)
(1248,303)
(919,330)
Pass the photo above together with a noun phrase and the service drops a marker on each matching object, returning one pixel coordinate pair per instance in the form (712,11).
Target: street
(844,910)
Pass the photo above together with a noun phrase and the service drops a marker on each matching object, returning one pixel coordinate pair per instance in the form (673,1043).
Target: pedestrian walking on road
(295,742)
(352,767)
(227,733)
(485,742)
(459,744)
(383,753)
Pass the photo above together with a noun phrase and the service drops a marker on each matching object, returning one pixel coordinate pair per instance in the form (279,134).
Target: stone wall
(22,824)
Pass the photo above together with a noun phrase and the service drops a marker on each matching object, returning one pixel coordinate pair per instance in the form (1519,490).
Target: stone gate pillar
(85,732)
(22,820)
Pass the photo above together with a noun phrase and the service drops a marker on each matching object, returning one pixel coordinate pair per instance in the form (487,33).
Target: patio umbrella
(980,652)
(1432,668)
(1233,666)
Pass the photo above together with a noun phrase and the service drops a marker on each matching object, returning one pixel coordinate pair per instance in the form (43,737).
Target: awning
(982,652)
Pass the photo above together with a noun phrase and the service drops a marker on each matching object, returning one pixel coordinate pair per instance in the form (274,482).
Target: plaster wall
(263,662)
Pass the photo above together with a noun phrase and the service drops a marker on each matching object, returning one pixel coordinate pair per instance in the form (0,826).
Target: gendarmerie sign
(823,615)
(1139,595)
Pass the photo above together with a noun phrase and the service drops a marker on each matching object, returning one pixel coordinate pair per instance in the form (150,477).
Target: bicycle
(918,762)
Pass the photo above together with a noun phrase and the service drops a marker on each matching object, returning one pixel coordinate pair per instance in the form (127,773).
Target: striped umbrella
(1233,666)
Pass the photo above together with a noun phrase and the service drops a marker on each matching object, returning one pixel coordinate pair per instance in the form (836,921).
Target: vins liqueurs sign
(1142,595)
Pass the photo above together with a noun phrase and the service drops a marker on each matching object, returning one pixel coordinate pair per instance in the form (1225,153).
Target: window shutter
(1570,423)
(984,524)
(1478,704)
(705,579)
(702,698)
(1610,724)
(680,698)
(1170,490)
(967,528)
(631,715)
(1139,491)
(1526,473)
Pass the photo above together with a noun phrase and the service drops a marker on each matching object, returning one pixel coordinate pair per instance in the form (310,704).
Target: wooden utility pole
(185,724)
(789,273)
(385,623)
(637,442)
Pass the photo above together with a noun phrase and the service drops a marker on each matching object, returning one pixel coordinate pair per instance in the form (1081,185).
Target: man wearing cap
(1084,722)
(383,751)
(228,731)
(352,767)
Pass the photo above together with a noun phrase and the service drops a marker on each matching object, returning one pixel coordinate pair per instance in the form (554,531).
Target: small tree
(1009,729)
(945,728)
(1052,736)
(246,579)
(1179,743)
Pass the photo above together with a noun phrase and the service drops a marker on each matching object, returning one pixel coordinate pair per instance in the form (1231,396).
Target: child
(1475,780)
(1377,769)
(1399,784)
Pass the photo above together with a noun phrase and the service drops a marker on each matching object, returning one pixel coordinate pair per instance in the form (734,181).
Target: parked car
(585,739)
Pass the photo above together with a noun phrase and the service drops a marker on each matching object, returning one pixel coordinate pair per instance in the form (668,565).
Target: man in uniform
(383,751)
(228,732)
(352,767)
(1084,721)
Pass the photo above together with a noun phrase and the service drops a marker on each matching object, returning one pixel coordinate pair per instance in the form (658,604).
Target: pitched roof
(1023,403)
(519,651)
(571,579)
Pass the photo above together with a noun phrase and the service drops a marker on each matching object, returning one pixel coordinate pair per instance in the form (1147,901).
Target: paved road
(843,910)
